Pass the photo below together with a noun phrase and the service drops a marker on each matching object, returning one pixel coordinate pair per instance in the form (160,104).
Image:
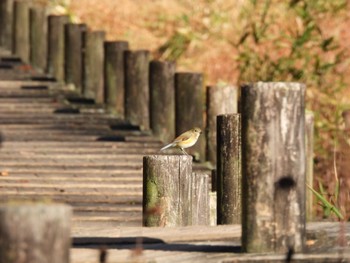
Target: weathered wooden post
(220,100)
(74,55)
(137,94)
(172,195)
(309,140)
(6,23)
(114,76)
(94,66)
(229,176)
(273,167)
(37,233)
(162,85)
(200,199)
(38,37)
(189,110)
(21,30)
(55,63)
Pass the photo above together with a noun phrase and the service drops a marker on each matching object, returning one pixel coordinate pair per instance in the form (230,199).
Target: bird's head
(197,130)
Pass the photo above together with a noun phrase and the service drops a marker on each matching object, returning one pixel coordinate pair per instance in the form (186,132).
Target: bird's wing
(183,137)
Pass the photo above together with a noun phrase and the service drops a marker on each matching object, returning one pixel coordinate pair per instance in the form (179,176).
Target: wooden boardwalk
(59,147)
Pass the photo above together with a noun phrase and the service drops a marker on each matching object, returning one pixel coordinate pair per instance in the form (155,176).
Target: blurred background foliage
(238,41)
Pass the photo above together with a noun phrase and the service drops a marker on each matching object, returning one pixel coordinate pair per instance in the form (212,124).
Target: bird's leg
(184,151)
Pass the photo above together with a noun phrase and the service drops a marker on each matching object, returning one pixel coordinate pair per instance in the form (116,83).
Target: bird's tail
(167,146)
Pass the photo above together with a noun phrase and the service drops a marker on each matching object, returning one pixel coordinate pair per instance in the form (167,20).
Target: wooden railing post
(189,101)
(162,85)
(172,195)
(220,100)
(38,38)
(114,77)
(273,167)
(309,140)
(21,30)
(137,94)
(74,55)
(55,63)
(6,23)
(94,66)
(35,233)
(229,169)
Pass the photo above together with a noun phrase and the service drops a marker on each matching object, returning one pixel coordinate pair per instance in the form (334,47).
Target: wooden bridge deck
(70,151)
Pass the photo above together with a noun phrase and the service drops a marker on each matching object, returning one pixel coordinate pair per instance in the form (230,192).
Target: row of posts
(261,153)
(145,93)
(264,160)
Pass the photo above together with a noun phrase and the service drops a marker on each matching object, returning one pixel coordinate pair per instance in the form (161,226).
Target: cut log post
(189,110)
(137,94)
(162,85)
(94,66)
(200,199)
(74,55)
(6,24)
(55,63)
(309,139)
(114,74)
(229,175)
(273,167)
(172,195)
(220,100)
(21,30)
(38,38)
(35,233)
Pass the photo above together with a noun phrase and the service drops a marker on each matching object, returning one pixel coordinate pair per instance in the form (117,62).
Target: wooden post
(55,61)
(21,30)
(309,139)
(189,101)
(200,199)
(38,38)
(6,23)
(114,74)
(162,85)
(273,167)
(220,100)
(94,66)
(229,174)
(172,196)
(74,55)
(137,95)
(35,233)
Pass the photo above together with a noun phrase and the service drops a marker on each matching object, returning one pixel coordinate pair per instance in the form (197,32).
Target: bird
(185,140)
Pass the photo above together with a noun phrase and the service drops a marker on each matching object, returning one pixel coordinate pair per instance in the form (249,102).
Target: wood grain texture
(38,38)
(34,233)
(229,174)
(137,93)
(162,86)
(190,108)
(6,24)
(172,194)
(309,140)
(55,63)
(273,167)
(220,100)
(74,55)
(21,41)
(114,74)
(93,65)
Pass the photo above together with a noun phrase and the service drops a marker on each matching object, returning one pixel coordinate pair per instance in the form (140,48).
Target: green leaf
(329,207)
